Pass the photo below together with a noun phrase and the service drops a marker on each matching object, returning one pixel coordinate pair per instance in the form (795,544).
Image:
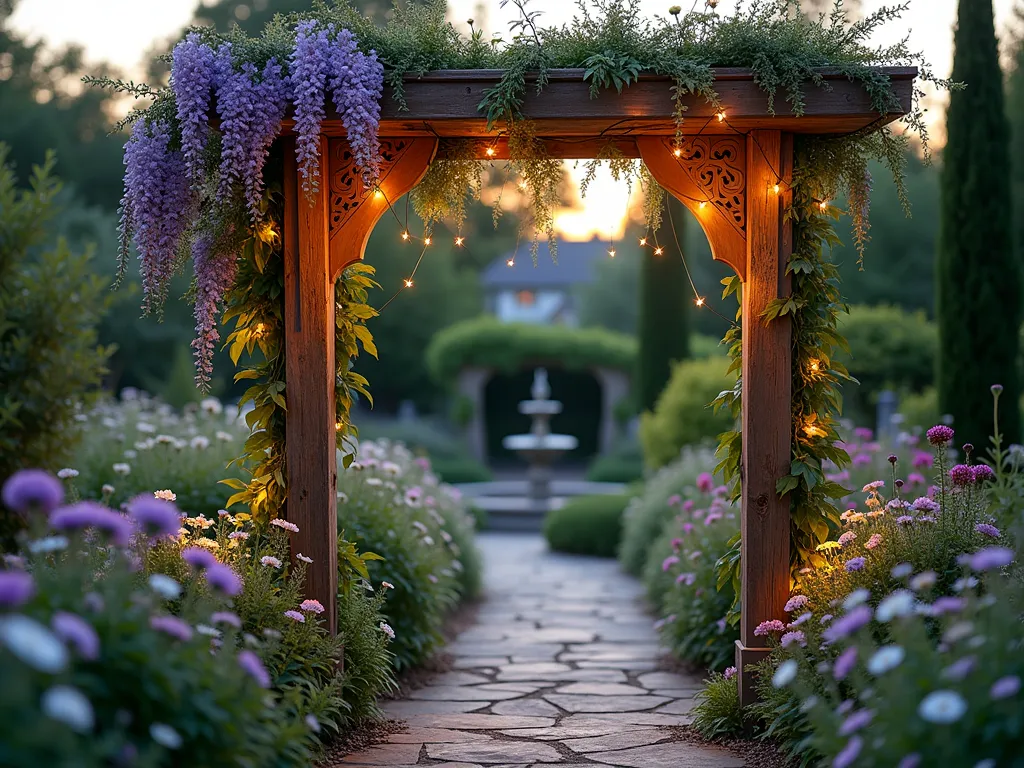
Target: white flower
(855,598)
(129,454)
(923,580)
(165,736)
(69,706)
(165,495)
(387,630)
(312,723)
(165,586)
(209,631)
(33,643)
(200,442)
(886,658)
(240,535)
(374,481)
(959,631)
(48,544)
(107,489)
(270,561)
(224,437)
(390,468)
(942,707)
(342,497)
(211,405)
(303,558)
(67,473)
(902,570)
(785,674)
(899,603)
(143,426)
(285,525)
(122,469)
(387,585)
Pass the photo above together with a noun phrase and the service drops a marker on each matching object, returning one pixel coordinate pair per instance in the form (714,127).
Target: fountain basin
(540,407)
(540,443)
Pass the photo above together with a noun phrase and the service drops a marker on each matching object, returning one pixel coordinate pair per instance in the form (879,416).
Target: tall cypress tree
(979,280)
(665,297)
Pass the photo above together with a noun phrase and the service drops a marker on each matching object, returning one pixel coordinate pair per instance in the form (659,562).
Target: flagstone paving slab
(562,667)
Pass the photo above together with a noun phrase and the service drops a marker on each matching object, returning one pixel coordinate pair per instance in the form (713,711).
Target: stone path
(560,668)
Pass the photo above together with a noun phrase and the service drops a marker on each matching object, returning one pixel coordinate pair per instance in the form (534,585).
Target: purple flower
(222,578)
(962,475)
(215,269)
(796,636)
(686,578)
(32,489)
(904,520)
(795,603)
(844,663)
(848,624)
(960,668)
(668,562)
(948,605)
(913,760)
(251,663)
(295,616)
(312,606)
(674,500)
(1004,688)
(198,557)
(856,721)
(864,434)
(849,753)
(730,673)
(940,435)
(988,530)
(310,62)
(155,517)
(88,514)
(356,81)
(855,564)
(924,504)
(847,539)
(705,482)
(78,632)
(923,460)
(861,459)
(982,472)
(990,558)
(173,626)
(768,627)
(16,588)
(193,75)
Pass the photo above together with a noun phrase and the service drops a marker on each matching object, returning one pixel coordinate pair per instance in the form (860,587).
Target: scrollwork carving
(716,164)
(347,191)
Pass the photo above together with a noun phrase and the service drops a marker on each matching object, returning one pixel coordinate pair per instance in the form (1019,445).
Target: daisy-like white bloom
(33,643)
(923,580)
(122,468)
(67,473)
(270,561)
(285,525)
(224,437)
(107,489)
(899,603)
(374,481)
(301,557)
(166,495)
(785,674)
(165,586)
(165,736)
(942,707)
(387,630)
(885,659)
(69,706)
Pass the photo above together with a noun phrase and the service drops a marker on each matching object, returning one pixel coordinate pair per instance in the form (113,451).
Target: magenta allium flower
(1004,688)
(988,530)
(215,269)
(686,578)
(847,539)
(873,541)
(962,475)
(251,663)
(155,517)
(688,505)
(923,460)
(991,558)
(677,544)
(982,473)
(730,673)
(223,578)
(16,588)
(668,562)
(312,606)
(916,479)
(198,557)
(173,626)
(848,624)
(705,482)
(30,489)
(78,632)
(856,721)
(295,616)
(849,753)
(88,514)
(226,617)
(794,637)
(863,434)
(795,603)
(855,564)
(768,627)
(844,663)
(940,435)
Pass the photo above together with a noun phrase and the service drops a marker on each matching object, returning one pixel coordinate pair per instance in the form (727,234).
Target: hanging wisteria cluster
(180,196)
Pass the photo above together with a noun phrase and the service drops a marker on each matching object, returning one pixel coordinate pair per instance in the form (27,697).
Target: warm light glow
(700,301)
(408,283)
(813,430)
(776,189)
(677,152)
(815,366)
(405,235)
(721,116)
(658,251)
(703,204)
(823,204)
(490,152)
(522,185)
(338,426)
(460,240)
(426,241)
(378,194)
(611,252)
(511,262)
(643,241)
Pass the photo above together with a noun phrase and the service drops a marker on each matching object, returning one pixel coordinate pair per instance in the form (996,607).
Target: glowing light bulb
(823,205)
(699,301)
(658,251)
(405,235)
(643,241)
(408,283)
(522,185)
(378,194)
(338,426)
(260,327)
(703,204)
(815,366)
(490,152)
(611,252)
(511,262)
(460,240)
(776,189)
(721,116)
(427,241)
(677,152)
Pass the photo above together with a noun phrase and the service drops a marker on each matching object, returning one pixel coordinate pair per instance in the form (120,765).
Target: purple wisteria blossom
(251,663)
(158,204)
(310,63)
(16,588)
(357,81)
(215,271)
(194,69)
(78,633)
(32,489)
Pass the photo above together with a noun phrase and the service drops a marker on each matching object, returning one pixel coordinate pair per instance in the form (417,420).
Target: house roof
(575,266)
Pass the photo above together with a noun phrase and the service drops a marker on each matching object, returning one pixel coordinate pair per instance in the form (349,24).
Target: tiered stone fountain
(539,447)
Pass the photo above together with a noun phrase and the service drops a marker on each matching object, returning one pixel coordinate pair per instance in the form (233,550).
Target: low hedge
(588,525)
(485,342)
(625,464)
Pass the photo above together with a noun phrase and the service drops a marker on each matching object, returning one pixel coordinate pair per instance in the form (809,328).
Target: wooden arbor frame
(732,173)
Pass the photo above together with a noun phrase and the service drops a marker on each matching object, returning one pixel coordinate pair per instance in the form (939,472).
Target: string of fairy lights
(649,240)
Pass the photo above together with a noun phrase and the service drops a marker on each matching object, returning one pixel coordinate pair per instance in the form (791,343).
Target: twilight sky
(120,31)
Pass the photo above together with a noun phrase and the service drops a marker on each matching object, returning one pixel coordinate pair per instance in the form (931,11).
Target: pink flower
(923,460)
(795,603)
(962,475)
(847,539)
(863,433)
(686,578)
(668,562)
(768,627)
(674,500)
(312,606)
(915,479)
(705,482)
(677,544)
(982,472)
(730,673)
(295,616)
(861,460)
(874,541)
(688,505)
(285,525)
(270,561)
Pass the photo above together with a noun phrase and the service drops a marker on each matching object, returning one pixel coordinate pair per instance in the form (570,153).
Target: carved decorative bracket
(347,190)
(717,165)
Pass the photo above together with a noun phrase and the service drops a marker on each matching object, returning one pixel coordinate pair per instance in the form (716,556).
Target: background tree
(664,301)
(253,15)
(979,281)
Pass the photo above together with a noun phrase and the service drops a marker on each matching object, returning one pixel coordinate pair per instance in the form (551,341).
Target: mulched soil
(362,737)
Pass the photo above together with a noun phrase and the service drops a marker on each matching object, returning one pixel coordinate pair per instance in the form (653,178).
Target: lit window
(526,298)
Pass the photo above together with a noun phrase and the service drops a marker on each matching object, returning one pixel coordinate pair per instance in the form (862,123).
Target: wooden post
(310,376)
(767,386)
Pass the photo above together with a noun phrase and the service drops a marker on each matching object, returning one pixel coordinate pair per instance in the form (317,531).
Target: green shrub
(645,517)
(718,712)
(461,470)
(624,464)
(683,415)
(392,505)
(890,348)
(50,308)
(485,342)
(369,664)
(449,456)
(587,525)
(920,410)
